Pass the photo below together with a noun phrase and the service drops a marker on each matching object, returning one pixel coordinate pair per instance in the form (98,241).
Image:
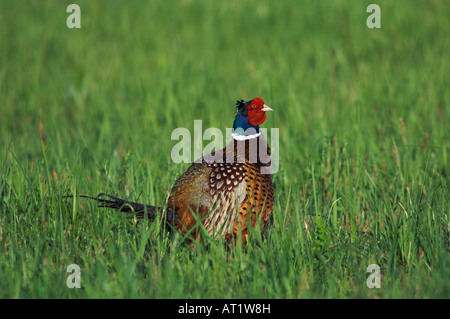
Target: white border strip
(244,137)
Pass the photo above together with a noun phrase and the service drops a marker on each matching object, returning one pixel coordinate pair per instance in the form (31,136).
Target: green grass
(364,145)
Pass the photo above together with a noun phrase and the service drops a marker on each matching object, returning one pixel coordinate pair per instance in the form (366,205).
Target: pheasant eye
(253,106)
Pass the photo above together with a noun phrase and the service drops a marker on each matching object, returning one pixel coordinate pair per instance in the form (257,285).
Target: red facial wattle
(256,116)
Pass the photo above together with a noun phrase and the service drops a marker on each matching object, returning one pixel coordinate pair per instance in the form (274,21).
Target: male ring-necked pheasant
(227,191)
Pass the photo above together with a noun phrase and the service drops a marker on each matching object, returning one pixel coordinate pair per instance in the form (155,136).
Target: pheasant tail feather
(137,209)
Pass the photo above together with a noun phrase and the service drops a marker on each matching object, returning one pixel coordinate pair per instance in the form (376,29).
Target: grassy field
(363,117)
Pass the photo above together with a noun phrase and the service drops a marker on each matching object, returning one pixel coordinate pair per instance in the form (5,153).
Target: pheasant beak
(266,109)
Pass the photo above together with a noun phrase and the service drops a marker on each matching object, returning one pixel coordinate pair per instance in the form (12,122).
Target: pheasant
(227,191)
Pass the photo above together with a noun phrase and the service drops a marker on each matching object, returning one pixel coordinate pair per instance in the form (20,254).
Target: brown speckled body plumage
(226,195)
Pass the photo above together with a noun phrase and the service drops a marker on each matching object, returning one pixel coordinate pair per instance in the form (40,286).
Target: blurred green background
(363,116)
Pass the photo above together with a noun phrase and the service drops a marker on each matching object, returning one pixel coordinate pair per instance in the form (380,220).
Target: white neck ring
(244,137)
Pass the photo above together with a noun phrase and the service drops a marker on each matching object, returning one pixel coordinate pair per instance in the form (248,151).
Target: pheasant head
(249,116)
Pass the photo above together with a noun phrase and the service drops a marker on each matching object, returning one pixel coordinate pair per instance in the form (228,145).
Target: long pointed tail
(138,210)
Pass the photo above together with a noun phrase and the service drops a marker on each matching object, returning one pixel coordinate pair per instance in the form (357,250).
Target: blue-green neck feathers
(241,122)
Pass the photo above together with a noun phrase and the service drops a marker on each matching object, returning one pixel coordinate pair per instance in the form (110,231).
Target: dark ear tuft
(240,104)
